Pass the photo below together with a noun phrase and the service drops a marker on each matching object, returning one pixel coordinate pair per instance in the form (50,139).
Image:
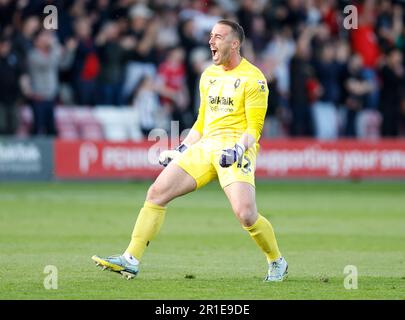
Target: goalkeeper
(223,144)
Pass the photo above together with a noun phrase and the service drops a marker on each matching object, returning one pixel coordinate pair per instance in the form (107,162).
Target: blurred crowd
(326,80)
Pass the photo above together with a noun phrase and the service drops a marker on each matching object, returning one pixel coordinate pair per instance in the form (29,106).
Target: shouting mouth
(214,53)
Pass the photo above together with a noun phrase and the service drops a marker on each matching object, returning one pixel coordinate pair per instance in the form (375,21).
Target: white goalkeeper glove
(230,156)
(167,156)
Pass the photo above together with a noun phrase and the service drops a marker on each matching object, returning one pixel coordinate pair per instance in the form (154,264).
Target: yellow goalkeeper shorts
(201,161)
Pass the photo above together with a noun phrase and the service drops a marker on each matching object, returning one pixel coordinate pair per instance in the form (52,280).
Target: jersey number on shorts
(246,167)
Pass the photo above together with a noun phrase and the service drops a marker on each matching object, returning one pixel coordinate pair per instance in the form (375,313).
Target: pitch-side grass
(202,252)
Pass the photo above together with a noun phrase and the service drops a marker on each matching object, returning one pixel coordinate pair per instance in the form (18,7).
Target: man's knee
(246,213)
(157,194)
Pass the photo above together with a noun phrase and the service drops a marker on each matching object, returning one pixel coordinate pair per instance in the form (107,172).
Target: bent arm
(255,111)
(255,121)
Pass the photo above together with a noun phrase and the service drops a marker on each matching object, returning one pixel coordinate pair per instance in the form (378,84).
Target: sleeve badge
(262,85)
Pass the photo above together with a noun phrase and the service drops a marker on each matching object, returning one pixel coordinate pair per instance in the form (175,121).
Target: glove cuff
(181,148)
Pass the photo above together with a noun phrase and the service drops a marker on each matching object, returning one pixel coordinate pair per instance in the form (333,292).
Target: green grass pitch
(202,252)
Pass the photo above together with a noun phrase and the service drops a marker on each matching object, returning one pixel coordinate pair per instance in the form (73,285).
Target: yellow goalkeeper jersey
(232,102)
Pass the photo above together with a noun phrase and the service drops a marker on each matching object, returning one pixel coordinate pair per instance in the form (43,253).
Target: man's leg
(172,182)
(49,114)
(36,117)
(188,172)
(243,201)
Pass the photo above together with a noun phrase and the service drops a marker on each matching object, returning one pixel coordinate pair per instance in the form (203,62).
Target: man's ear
(235,44)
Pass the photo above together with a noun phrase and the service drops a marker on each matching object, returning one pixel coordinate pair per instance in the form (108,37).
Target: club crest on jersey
(237,83)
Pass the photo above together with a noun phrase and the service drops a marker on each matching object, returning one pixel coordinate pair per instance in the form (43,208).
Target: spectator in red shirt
(87,65)
(365,43)
(172,74)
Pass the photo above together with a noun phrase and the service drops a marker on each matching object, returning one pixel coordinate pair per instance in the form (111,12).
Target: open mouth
(214,53)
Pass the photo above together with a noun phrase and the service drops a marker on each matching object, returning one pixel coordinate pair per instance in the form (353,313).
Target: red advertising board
(277,158)
(88,159)
(335,159)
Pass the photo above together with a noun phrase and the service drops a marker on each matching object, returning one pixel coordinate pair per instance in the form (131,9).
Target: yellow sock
(262,233)
(147,226)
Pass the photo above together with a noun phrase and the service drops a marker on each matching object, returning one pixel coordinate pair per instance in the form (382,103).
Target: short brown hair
(236,28)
